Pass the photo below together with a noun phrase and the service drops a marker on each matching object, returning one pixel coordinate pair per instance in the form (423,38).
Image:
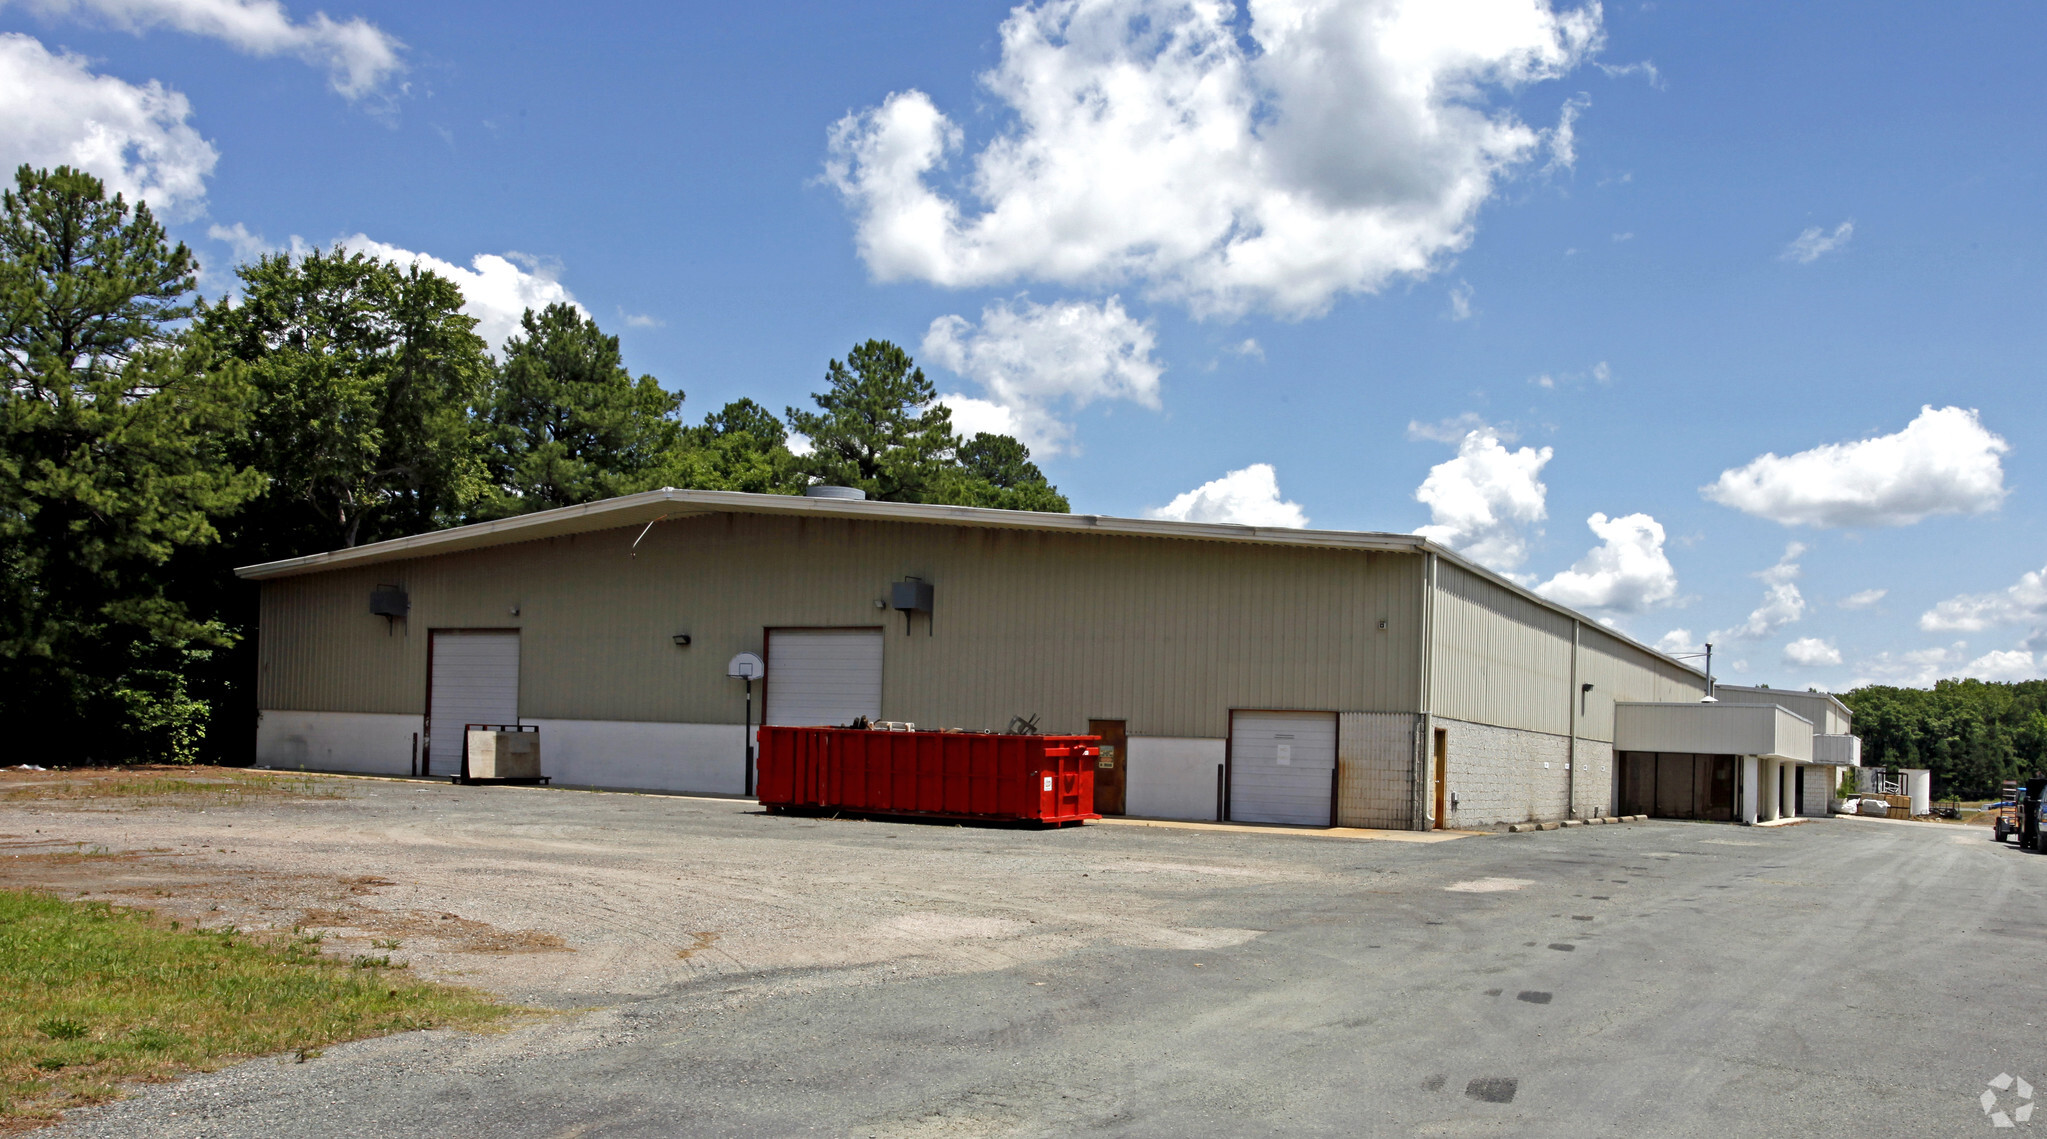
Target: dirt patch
(698,943)
(459,934)
(566,899)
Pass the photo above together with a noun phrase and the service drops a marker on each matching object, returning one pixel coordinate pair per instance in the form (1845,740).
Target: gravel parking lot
(724,972)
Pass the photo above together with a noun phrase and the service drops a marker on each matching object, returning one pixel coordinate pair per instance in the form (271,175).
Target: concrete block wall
(1596,786)
(1498,775)
(1819,790)
(1375,761)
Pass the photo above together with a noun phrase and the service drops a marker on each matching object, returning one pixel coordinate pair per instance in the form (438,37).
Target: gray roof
(668,502)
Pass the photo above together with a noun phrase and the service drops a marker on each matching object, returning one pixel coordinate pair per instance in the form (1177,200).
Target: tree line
(151,440)
(1971,734)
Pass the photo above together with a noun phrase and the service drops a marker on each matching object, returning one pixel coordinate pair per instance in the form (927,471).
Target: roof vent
(853,493)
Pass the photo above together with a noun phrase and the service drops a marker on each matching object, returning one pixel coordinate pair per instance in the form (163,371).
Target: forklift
(2029,814)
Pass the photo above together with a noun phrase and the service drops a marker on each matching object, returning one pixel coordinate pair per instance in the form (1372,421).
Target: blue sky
(1491,267)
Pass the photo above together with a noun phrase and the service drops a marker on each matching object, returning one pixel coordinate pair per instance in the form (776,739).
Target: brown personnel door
(1112,768)
(1442,780)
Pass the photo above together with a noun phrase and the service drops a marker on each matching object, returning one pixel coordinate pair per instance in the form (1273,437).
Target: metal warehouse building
(1252,674)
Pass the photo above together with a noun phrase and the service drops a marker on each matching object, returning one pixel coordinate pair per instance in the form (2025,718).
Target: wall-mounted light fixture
(1584,690)
(681,640)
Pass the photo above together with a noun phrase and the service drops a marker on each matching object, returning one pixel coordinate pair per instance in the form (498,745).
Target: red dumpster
(961,775)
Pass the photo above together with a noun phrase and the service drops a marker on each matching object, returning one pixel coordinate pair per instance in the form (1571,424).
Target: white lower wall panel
(644,756)
(708,758)
(1168,778)
(369,743)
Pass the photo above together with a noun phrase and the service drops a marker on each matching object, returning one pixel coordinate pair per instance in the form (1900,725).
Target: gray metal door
(1282,767)
(823,676)
(475,680)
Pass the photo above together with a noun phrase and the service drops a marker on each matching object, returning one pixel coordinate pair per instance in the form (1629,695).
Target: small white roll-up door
(823,676)
(1281,767)
(475,681)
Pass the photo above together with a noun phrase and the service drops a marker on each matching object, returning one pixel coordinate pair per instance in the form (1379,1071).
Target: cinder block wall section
(1498,775)
(1819,790)
(1375,758)
(1596,789)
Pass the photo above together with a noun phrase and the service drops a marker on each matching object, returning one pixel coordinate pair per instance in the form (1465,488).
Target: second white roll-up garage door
(1282,767)
(823,676)
(475,680)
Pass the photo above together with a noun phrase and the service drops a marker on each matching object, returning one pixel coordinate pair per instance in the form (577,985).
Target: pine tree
(566,423)
(113,462)
(878,426)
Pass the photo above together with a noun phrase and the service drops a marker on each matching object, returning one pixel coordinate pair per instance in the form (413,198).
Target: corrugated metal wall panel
(1620,672)
(1504,660)
(1166,634)
(1499,658)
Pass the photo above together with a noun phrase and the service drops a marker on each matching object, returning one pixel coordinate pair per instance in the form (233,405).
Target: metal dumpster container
(960,775)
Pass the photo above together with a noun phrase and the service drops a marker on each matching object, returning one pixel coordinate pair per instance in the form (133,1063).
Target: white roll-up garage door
(475,681)
(823,676)
(1281,767)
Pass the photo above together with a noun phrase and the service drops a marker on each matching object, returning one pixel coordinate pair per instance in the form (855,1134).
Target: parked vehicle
(2029,814)
(2006,822)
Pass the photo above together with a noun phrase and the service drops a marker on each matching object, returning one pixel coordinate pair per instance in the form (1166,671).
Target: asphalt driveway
(722,972)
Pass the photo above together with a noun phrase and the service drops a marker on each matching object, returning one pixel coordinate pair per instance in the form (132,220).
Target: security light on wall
(1584,690)
(681,640)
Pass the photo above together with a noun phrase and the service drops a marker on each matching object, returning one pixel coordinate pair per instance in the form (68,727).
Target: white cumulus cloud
(1627,571)
(1811,652)
(496,289)
(1249,497)
(1917,668)
(1782,602)
(1864,599)
(359,57)
(2013,664)
(1815,243)
(1943,462)
(1035,362)
(1270,160)
(2024,602)
(137,139)
(1678,641)
(1482,502)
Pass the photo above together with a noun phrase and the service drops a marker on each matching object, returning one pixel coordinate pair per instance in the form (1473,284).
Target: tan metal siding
(1167,634)
(1498,657)
(1502,659)
(1619,671)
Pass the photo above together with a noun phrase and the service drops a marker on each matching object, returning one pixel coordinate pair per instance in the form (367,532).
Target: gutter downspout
(1420,801)
(1571,713)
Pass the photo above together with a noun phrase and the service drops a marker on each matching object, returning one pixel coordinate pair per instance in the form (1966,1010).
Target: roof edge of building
(1837,701)
(668,502)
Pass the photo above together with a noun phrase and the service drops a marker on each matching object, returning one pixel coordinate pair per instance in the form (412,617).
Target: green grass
(154,786)
(92,996)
